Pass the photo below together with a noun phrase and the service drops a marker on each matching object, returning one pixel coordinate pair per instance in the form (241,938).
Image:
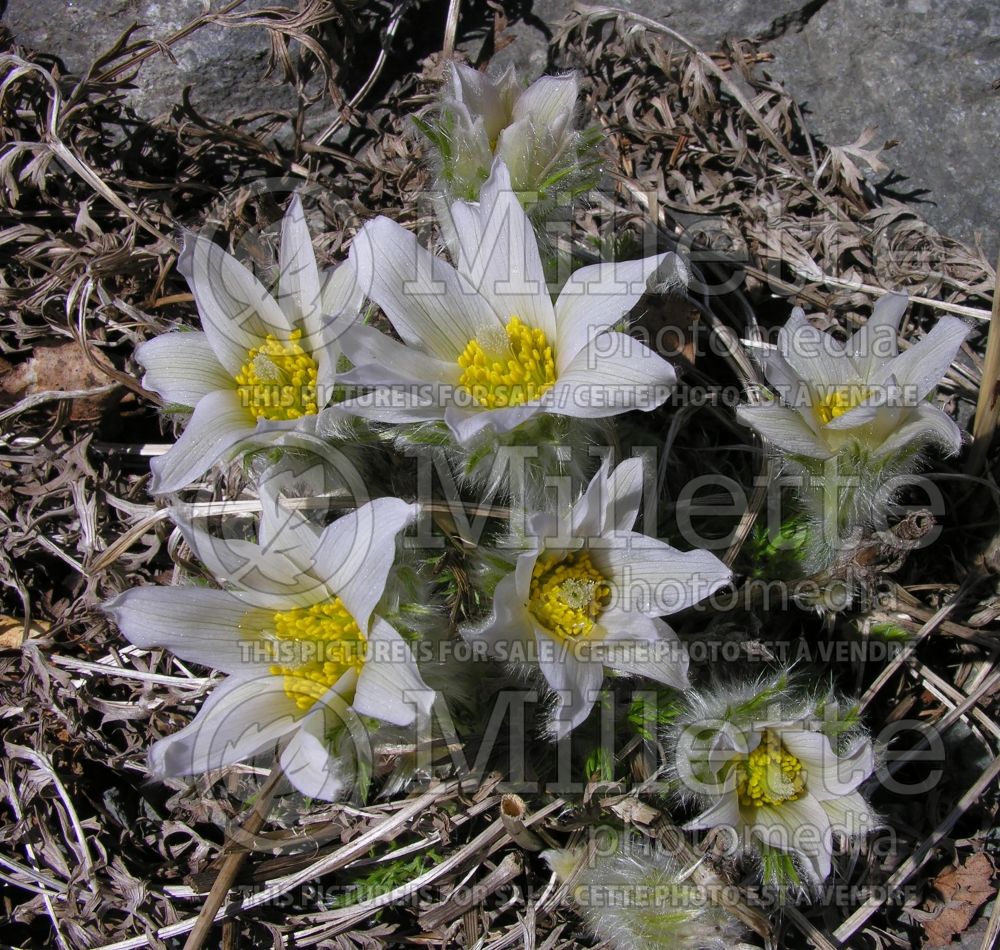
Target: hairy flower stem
(847,498)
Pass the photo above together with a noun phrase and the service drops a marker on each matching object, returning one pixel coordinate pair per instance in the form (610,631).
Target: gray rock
(705,22)
(223,65)
(925,72)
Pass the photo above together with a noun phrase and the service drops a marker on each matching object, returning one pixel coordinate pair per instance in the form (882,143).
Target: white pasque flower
(641,897)
(296,632)
(259,366)
(482,344)
(757,759)
(532,130)
(862,395)
(587,593)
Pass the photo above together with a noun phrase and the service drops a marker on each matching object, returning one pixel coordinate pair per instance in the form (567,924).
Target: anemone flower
(642,897)
(483,347)
(296,632)
(260,366)
(532,130)
(862,396)
(587,593)
(758,759)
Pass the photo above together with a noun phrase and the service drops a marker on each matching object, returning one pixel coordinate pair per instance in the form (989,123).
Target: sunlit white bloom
(296,631)
(483,347)
(759,759)
(532,130)
(587,593)
(862,396)
(260,365)
(640,897)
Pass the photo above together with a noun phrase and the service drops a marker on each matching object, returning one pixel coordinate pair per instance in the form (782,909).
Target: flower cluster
(588,593)
(776,767)
(855,415)
(642,897)
(297,632)
(322,625)
(531,130)
(261,366)
(484,350)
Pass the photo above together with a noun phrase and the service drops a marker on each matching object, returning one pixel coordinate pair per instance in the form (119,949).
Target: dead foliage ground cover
(92,853)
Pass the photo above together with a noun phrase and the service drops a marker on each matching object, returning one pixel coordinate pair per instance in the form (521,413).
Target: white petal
(847,772)
(339,291)
(339,310)
(725,813)
(208,627)
(542,526)
(548,100)
(643,647)
(309,765)
(430,305)
(596,297)
(481,97)
(236,312)
(472,155)
(390,686)
(827,775)
(242,716)
(498,254)
(219,422)
(850,815)
(356,552)
(927,424)
(810,747)
(508,623)
(307,758)
(793,391)
(624,496)
(298,276)
(395,404)
(378,360)
(924,364)
(283,528)
(528,153)
(613,374)
(653,578)
(467,424)
(785,427)
(182,368)
(575,682)
(854,418)
(875,344)
(508,88)
(800,826)
(818,357)
(587,519)
(271,576)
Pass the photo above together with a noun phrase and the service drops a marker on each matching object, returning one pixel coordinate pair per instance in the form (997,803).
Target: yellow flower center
(278,380)
(516,368)
(839,399)
(317,645)
(567,596)
(770,775)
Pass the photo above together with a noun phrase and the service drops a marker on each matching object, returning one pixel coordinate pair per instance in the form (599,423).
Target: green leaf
(600,763)
(645,716)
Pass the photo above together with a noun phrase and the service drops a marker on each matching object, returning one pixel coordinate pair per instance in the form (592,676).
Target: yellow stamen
(567,596)
(278,380)
(770,775)
(839,399)
(322,643)
(511,371)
